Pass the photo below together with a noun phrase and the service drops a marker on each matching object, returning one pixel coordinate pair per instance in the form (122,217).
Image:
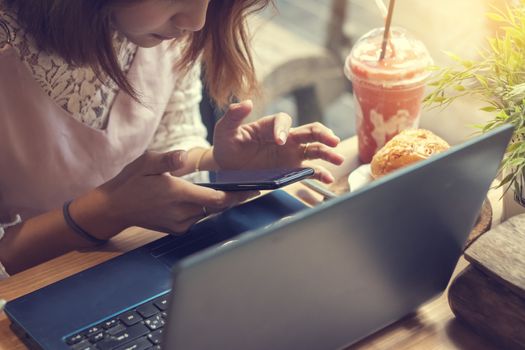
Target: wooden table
(433,326)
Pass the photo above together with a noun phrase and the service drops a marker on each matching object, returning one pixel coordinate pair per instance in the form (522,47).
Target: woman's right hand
(145,194)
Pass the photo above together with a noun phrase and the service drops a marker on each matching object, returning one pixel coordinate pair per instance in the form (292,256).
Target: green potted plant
(497,78)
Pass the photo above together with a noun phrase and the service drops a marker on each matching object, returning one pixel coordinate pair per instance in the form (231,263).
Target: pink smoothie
(387,93)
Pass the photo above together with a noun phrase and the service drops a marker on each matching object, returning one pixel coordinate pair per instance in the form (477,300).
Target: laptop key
(123,337)
(161,303)
(96,337)
(92,330)
(154,322)
(156,336)
(130,318)
(137,344)
(74,339)
(117,329)
(83,345)
(147,310)
(110,323)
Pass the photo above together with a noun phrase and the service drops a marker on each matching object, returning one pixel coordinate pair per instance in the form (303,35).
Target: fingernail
(282,137)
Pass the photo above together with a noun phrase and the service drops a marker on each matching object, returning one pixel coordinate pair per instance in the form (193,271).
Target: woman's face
(149,22)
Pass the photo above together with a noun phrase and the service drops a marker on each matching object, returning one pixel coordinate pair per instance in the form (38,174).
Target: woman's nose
(194,17)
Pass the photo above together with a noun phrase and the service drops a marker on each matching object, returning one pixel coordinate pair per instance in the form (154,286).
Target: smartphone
(246,180)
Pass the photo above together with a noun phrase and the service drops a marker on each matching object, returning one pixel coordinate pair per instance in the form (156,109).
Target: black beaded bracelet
(77,229)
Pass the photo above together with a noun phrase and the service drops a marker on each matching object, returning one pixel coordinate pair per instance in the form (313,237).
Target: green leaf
(497,79)
(453,56)
(489,109)
(439,99)
(506,179)
(482,80)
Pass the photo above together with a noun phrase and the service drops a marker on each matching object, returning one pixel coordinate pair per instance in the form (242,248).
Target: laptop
(272,274)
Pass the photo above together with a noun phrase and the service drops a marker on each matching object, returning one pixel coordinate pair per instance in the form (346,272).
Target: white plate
(360,177)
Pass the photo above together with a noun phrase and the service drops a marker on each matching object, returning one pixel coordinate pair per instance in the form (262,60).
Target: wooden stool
(489,295)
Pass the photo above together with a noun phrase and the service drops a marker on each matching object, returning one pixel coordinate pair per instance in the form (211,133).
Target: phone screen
(245,180)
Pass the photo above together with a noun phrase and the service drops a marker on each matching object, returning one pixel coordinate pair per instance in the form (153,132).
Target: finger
(273,128)
(236,114)
(320,151)
(154,163)
(179,227)
(185,226)
(188,213)
(182,212)
(315,132)
(231,199)
(282,123)
(210,198)
(322,174)
(182,217)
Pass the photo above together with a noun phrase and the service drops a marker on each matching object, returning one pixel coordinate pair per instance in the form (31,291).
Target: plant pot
(482,225)
(514,200)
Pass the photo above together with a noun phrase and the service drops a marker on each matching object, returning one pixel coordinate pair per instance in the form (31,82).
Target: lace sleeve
(181,126)
(3,226)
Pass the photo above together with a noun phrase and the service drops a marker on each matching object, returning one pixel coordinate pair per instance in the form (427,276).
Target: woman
(99,110)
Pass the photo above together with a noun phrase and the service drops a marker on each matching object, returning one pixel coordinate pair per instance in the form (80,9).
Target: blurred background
(295,39)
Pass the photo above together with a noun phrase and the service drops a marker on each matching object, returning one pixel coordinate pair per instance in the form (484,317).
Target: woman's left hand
(271,142)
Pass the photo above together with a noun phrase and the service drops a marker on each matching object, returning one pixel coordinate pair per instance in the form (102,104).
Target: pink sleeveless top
(47,157)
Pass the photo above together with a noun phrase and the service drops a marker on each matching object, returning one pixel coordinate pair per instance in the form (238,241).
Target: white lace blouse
(79,92)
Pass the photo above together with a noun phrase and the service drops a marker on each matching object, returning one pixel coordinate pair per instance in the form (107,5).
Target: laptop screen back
(336,273)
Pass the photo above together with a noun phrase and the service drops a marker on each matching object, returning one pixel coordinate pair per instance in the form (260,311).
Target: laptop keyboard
(136,329)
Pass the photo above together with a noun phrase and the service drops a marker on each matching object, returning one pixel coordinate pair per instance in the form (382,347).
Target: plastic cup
(387,93)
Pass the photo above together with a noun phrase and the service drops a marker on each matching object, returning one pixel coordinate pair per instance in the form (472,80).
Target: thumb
(155,163)
(236,114)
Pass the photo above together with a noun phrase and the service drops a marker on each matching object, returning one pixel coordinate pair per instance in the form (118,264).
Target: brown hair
(80,31)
